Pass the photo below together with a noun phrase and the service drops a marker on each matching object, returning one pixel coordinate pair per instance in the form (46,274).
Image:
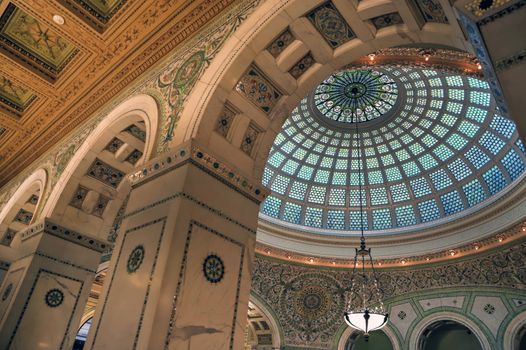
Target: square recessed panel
(387,20)
(331,25)
(432,11)
(96,13)
(14,97)
(33,43)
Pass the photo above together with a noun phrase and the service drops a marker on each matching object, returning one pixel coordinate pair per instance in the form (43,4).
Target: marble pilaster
(43,293)
(180,274)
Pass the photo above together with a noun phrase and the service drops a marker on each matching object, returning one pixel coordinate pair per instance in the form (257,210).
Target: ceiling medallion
(355,96)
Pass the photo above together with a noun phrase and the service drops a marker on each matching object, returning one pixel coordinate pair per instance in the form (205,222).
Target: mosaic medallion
(54,297)
(135,259)
(402,315)
(213,268)
(7,291)
(356,96)
(312,303)
(489,309)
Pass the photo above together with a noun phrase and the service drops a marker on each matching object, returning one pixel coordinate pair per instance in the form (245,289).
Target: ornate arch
(216,90)
(349,331)
(124,139)
(447,316)
(512,331)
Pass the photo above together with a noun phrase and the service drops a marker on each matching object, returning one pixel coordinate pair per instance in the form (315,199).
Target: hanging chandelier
(367,314)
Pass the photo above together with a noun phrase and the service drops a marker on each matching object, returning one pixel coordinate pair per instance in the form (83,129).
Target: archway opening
(520,339)
(82,335)
(446,335)
(378,340)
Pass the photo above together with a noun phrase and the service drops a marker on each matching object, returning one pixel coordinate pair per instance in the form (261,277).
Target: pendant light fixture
(365,309)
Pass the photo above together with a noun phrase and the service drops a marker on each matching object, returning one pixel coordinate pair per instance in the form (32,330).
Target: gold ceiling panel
(96,13)
(14,97)
(54,77)
(24,38)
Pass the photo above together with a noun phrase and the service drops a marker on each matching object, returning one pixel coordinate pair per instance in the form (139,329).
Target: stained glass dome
(437,148)
(353,96)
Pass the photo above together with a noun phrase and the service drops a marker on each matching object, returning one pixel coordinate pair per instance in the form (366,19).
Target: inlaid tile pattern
(280,43)
(134,157)
(114,145)
(225,120)
(432,11)
(100,206)
(14,97)
(105,173)
(33,43)
(250,139)
(136,132)
(387,20)
(258,89)
(332,26)
(78,197)
(24,216)
(301,67)
(96,13)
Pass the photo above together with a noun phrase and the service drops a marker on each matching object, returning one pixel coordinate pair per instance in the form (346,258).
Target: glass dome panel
(433,144)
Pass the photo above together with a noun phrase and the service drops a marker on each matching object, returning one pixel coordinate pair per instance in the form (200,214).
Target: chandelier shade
(366,321)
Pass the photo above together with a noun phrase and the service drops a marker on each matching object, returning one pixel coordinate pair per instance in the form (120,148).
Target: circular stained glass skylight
(444,149)
(353,96)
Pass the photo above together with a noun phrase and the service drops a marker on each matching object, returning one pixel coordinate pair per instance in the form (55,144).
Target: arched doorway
(378,340)
(445,335)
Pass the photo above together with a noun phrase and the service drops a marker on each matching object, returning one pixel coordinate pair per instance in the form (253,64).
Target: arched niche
(352,339)
(515,334)
(444,335)
(425,328)
(21,211)
(262,332)
(215,94)
(94,184)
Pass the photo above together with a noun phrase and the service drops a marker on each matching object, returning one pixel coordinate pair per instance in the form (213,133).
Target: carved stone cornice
(47,226)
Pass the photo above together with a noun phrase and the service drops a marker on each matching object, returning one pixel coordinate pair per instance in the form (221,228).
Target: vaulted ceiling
(56,72)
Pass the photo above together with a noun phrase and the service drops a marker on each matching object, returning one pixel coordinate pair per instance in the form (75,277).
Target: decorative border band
(61,232)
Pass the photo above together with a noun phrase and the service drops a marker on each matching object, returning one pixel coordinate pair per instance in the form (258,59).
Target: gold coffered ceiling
(53,77)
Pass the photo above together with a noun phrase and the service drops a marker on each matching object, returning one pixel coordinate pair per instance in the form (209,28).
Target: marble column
(180,274)
(497,32)
(44,291)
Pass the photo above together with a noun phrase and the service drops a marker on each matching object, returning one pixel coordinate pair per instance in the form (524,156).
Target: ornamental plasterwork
(294,302)
(208,41)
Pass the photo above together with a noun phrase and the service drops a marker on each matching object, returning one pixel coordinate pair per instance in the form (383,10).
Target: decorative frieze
(46,226)
(196,155)
(510,61)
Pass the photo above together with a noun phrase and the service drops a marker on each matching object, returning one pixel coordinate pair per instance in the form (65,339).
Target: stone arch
(215,92)
(94,185)
(265,325)
(21,209)
(447,316)
(350,331)
(516,326)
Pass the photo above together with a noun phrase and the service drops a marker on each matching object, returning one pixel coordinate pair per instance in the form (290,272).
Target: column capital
(194,153)
(48,226)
